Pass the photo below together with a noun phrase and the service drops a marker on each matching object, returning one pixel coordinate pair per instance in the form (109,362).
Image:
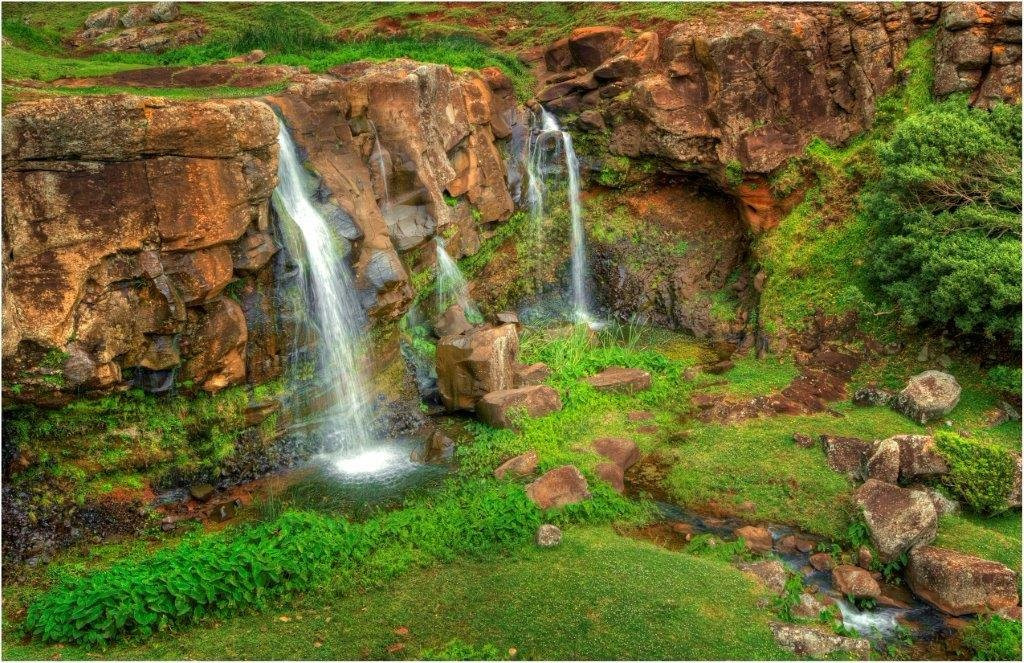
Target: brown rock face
(124,219)
(898,519)
(978,51)
(854,581)
(619,450)
(517,466)
(526,376)
(959,584)
(473,364)
(558,487)
(617,378)
(498,408)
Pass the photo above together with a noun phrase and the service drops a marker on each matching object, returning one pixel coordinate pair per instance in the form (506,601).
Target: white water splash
(878,623)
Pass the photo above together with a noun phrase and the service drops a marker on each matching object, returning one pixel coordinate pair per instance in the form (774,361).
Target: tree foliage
(947,208)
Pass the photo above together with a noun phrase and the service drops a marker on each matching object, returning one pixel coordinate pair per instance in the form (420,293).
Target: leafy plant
(993,638)
(790,597)
(980,473)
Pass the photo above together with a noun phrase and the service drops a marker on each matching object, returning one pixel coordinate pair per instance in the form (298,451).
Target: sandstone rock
(757,539)
(591,46)
(533,374)
(822,561)
(792,544)
(498,408)
(452,322)
(959,584)
(856,582)
(847,455)
(898,519)
(864,557)
(557,56)
(215,343)
(621,451)
(591,120)
(808,607)
(558,487)
(770,573)
(617,378)
(518,466)
(919,458)
(471,365)
(884,463)
(613,475)
(548,536)
(104,18)
(811,642)
(928,396)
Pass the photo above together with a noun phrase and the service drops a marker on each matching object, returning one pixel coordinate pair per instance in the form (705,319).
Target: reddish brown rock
(856,582)
(884,463)
(928,396)
(617,378)
(593,45)
(518,466)
(558,487)
(757,539)
(847,455)
(611,474)
(216,344)
(499,408)
(621,451)
(792,544)
(822,561)
(473,364)
(919,458)
(960,584)
(526,376)
(898,519)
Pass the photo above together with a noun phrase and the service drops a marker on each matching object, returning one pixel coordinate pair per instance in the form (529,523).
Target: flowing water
(451,285)
(551,150)
(335,311)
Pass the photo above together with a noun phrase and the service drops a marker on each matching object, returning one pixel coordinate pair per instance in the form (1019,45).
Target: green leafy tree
(947,209)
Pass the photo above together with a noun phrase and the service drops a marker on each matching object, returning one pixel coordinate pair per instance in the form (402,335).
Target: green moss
(980,473)
(734,173)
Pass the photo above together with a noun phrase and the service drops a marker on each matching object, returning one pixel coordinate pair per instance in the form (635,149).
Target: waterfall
(330,293)
(541,160)
(451,285)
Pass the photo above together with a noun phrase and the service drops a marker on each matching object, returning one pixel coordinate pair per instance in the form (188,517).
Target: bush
(993,639)
(947,208)
(980,473)
(1006,379)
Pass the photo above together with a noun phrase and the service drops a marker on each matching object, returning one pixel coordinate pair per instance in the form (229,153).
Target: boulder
(591,46)
(769,573)
(822,561)
(164,12)
(518,466)
(621,451)
(872,395)
(757,539)
(854,581)
(498,408)
(613,475)
(526,376)
(103,19)
(809,607)
(928,396)
(617,378)
(473,364)
(847,455)
(865,557)
(452,322)
(548,535)
(808,641)
(919,458)
(959,584)
(558,487)
(884,463)
(898,519)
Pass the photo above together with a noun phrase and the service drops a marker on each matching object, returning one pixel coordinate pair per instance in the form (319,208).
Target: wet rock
(518,466)
(613,475)
(621,451)
(847,455)
(499,408)
(452,322)
(757,539)
(865,558)
(811,642)
(822,561)
(619,379)
(959,584)
(224,511)
(201,492)
(558,487)
(770,573)
(805,441)
(548,536)
(473,364)
(533,374)
(898,519)
(439,448)
(792,544)
(884,463)
(928,396)
(854,581)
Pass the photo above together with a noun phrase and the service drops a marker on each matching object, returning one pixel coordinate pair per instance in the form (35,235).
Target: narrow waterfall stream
(551,149)
(451,285)
(335,314)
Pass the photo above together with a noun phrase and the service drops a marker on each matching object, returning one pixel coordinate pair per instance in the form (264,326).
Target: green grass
(997,538)
(597,596)
(755,377)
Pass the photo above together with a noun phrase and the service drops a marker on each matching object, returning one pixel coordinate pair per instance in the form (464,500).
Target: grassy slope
(597,596)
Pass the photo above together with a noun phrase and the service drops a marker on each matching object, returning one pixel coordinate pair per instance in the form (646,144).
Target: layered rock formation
(125,220)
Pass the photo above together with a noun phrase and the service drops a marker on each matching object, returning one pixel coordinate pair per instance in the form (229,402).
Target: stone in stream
(854,581)
(959,584)
(548,536)
(898,519)
(558,487)
(811,642)
(757,539)
(822,561)
(473,364)
(526,376)
(619,450)
(792,544)
(518,466)
(928,396)
(612,474)
(498,408)
(770,573)
(617,378)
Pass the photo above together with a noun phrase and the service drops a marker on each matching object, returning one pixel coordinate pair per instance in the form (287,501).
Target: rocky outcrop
(150,28)
(500,408)
(474,364)
(898,519)
(959,584)
(125,219)
(978,52)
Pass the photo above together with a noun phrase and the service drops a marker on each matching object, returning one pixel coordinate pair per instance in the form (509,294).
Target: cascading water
(549,146)
(451,284)
(336,314)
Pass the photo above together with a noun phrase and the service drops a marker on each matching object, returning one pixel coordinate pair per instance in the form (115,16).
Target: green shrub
(1006,379)
(947,209)
(980,473)
(993,639)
